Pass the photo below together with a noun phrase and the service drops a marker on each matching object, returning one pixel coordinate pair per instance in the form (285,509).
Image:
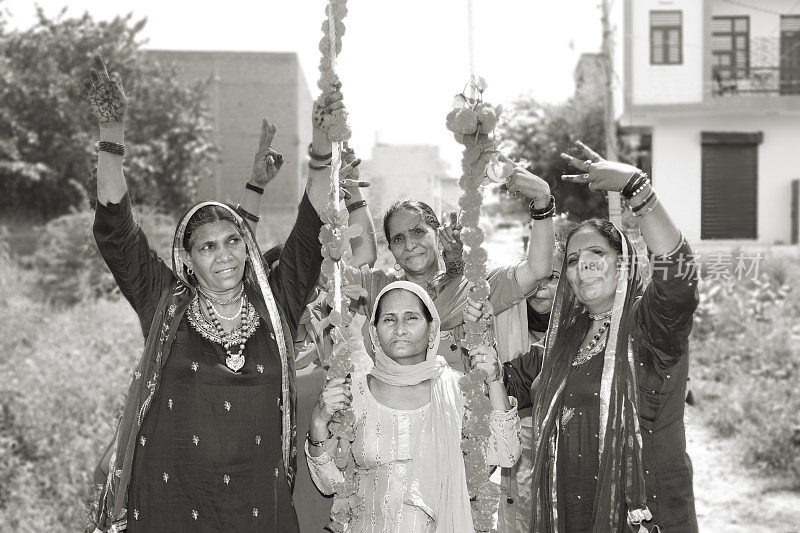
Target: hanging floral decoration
(340,288)
(472,122)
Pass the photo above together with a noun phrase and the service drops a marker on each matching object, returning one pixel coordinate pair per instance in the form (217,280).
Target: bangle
(356,205)
(111,148)
(642,187)
(634,182)
(246,214)
(256,188)
(312,166)
(542,214)
(644,204)
(314,443)
(316,156)
(652,206)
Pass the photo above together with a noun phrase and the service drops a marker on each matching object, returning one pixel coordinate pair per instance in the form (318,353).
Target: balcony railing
(758,82)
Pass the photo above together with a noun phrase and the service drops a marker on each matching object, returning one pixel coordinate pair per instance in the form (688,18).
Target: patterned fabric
(385,440)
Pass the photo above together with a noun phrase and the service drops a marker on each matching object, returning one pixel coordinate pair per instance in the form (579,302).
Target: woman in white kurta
(409,410)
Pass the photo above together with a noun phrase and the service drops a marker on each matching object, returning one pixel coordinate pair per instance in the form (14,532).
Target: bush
(69,266)
(746,359)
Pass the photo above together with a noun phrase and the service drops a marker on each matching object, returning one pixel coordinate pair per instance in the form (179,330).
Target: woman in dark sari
(607,387)
(206,441)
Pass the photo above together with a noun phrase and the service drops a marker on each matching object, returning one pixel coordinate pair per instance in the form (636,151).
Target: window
(730,46)
(666,37)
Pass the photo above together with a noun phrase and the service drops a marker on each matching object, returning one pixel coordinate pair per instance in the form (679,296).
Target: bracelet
(356,205)
(317,157)
(246,214)
(634,182)
(314,443)
(542,214)
(312,166)
(644,204)
(256,188)
(652,206)
(642,187)
(111,148)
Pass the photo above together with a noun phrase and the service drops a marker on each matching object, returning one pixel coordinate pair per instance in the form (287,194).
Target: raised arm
(365,246)
(539,264)
(265,167)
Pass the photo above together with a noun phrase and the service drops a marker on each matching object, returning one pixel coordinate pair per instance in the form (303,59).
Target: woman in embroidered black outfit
(609,450)
(206,441)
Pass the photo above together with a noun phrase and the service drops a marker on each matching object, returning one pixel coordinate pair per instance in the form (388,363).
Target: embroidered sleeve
(505,444)
(324,472)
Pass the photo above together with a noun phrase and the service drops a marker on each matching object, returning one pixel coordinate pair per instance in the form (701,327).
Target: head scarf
(171,306)
(437,480)
(620,479)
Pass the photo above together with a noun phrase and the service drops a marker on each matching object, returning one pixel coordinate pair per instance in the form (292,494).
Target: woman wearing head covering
(415,234)
(409,410)
(607,388)
(206,440)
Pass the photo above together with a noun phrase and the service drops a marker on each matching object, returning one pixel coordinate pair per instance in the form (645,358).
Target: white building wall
(667,84)
(677,169)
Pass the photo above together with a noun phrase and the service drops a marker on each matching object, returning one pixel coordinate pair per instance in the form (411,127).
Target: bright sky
(402,61)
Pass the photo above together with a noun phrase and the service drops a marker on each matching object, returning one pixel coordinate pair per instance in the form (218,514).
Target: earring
(189,271)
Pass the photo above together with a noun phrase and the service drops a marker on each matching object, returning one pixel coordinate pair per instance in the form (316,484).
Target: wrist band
(356,205)
(256,188)
(542,214)
(111,148)
(634,182)
(644,204)
(317,157)
(652,206)
(641,187)
(246,214)
(314,443)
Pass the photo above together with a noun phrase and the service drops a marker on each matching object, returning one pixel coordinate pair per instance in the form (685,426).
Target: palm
(267,161)
(105,94)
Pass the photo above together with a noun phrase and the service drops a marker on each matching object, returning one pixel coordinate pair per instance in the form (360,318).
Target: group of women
(593,361)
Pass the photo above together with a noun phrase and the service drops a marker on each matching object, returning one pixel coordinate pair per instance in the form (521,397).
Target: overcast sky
(401,63)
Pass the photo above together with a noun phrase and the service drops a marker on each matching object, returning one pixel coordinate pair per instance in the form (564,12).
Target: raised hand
(349,175)
(526,183)
(450,236)
(485,358)
(105,94)
(599,174)
(267,161)
(332,102)
(334,396)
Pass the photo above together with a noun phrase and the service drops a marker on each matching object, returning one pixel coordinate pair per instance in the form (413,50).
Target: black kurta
(208,453)
(663,321)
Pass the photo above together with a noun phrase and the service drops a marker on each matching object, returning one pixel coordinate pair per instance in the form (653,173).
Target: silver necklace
(222,301)
(220,315)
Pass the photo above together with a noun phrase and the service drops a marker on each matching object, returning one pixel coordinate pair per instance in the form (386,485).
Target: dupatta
(620,479)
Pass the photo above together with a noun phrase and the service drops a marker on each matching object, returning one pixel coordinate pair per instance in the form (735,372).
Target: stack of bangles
(318,162)
(543,214)
(637,184)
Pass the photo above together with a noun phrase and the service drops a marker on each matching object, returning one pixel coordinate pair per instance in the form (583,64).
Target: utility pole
(614,205)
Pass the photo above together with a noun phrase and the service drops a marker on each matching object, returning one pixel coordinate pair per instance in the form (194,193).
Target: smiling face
(592,269)
(412,243)
(542,300)
(403,327)
(218,256)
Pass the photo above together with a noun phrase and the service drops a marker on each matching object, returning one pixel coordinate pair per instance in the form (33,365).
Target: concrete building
(413,171)
(244,88)
(713,88)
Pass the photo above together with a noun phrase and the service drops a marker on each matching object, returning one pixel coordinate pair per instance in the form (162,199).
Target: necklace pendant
(235,362)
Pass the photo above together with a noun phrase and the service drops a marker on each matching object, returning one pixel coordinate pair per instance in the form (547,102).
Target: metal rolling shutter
(730,185)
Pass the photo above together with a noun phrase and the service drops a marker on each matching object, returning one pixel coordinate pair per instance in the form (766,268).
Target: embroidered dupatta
(620,479)
(172,304)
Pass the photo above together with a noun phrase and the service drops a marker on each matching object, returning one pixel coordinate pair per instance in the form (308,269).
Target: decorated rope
(472,121)
(334,236)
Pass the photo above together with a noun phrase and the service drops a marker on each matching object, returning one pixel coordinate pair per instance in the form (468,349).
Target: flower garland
(472,121)
(340,288)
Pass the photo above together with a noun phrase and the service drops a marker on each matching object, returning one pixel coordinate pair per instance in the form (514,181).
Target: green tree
(47,133)
(537,133)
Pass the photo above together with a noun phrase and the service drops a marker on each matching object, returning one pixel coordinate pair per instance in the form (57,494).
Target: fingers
(100,68)
(333,97)
(576,178)
(349,166)
(94,77)
(277,159)
(577,163)
(349,184)
(335,106)
(591,154)
(473,311)
(267,134)
(507,186)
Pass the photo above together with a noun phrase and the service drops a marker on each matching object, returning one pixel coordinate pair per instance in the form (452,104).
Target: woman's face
(592,269)
(403,330)
(412,243)
(218,256)
(542,300)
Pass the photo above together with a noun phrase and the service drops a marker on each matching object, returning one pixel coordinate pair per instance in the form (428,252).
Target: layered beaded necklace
(209,327)
(595,346)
